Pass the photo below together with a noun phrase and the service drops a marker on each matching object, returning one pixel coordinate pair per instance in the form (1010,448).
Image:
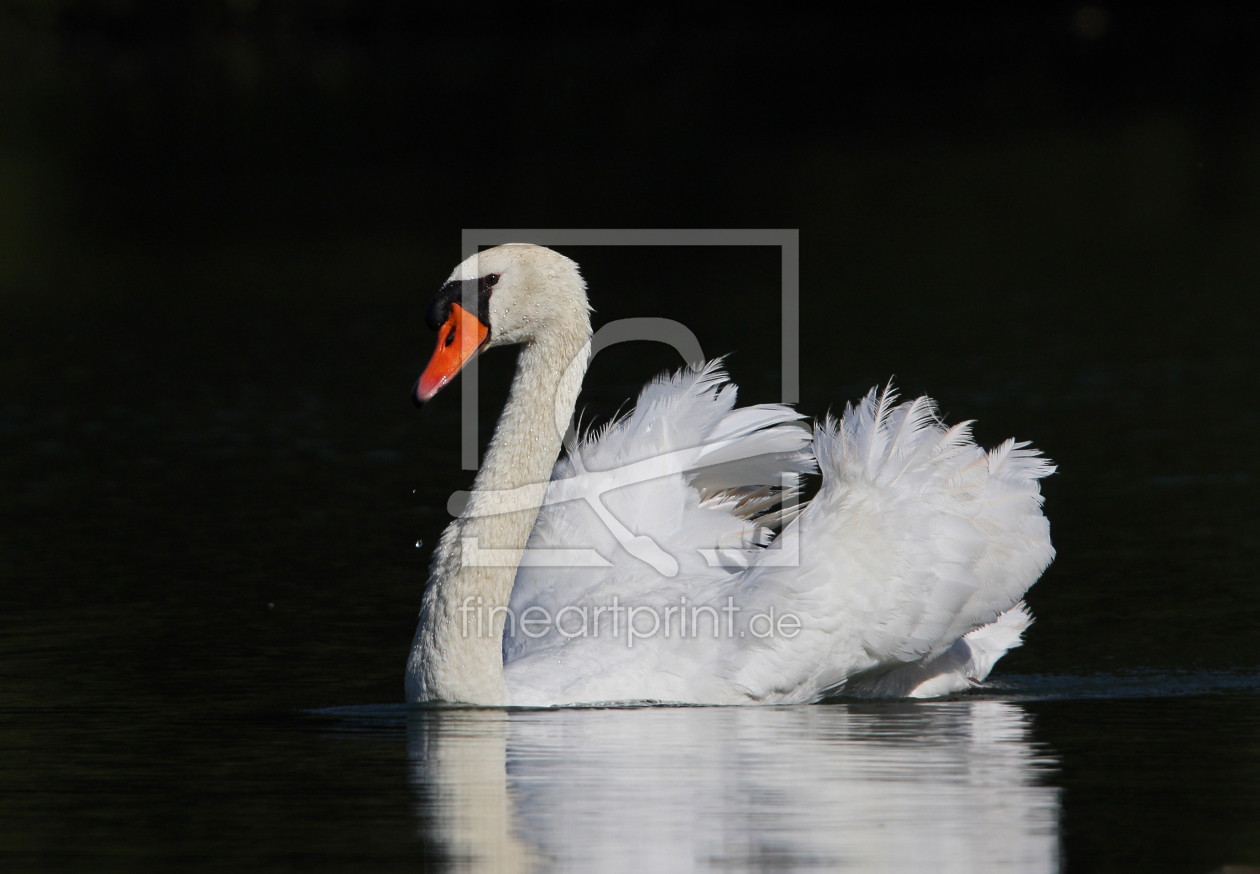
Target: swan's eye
(492,278)
(450,338)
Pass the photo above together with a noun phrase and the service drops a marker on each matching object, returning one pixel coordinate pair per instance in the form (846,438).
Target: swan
(644,565)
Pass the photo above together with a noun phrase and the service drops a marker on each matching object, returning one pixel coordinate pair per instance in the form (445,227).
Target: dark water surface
(216,247)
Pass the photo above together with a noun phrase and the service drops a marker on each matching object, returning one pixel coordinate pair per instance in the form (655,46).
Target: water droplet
(419,543)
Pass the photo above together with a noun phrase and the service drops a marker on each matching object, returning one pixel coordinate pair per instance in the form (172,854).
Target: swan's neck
(458,653)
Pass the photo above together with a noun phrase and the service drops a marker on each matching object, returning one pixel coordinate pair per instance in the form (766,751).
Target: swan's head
(515,293)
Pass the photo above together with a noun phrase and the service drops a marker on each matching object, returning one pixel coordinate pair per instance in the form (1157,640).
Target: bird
(667,557)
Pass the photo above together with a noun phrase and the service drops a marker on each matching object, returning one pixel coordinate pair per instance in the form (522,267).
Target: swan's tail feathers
(964,665)
(968,662)
(990,642)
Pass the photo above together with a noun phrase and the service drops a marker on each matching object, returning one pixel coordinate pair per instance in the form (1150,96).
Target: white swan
(652,573)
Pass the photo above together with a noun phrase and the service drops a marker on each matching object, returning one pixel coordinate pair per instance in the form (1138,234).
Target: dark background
(220,223)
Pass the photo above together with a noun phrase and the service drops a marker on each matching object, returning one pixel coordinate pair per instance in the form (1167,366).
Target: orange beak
(458,341)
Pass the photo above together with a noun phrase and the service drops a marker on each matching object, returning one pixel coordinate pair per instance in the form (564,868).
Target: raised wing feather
(677,492)
(917,538)
(903,575)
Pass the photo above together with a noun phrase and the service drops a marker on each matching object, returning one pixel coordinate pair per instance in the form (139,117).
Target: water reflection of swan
(458,759)
(954,786)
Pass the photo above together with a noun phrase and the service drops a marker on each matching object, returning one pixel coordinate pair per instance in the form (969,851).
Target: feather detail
(906,569)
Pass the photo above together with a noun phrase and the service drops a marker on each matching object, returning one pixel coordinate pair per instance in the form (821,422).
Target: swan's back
(895,574)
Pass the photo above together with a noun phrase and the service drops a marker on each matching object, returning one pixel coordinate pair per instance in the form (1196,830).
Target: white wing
(658,495)
(903,576)
(917,538)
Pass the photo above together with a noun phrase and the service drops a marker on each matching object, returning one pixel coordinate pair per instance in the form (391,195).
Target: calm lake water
(216,248)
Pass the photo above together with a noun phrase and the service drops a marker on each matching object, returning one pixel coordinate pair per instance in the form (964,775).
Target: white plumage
(902,577)
(916,539)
